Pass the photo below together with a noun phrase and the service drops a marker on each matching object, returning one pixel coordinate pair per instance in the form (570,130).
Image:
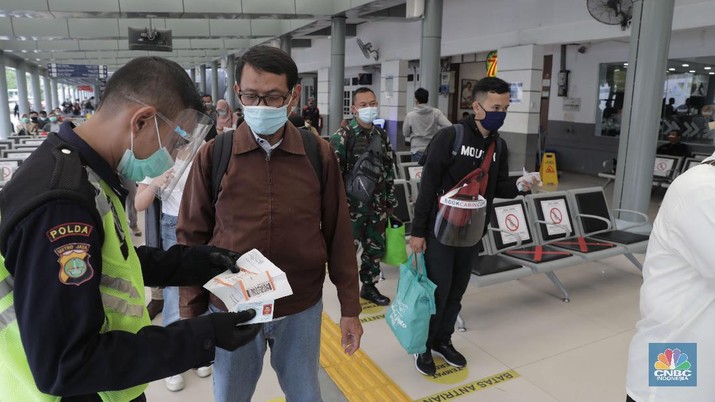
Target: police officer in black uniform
(71,276)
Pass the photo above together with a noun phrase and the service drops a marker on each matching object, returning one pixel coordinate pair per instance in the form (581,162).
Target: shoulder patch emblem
(74,263)
(69,229)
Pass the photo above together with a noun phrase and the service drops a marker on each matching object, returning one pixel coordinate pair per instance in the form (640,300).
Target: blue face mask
(492,121)
(138,169)
(265,120)
(367,114)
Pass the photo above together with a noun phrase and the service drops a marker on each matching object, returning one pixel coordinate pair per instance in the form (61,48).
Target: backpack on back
(456,145)
(362,179)
(222,155)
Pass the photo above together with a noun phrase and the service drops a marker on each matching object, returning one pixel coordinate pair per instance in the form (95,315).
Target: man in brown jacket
(271,199)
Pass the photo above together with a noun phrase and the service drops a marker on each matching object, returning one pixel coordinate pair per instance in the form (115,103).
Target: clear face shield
(190,129)
(460,221)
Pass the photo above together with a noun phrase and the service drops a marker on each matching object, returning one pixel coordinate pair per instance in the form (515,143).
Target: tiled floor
(558,351)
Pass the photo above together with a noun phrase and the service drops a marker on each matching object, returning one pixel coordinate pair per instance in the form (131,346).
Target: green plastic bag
(409,314)
(395,245)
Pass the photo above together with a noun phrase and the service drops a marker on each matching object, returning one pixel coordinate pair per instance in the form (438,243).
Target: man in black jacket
(674,146)
(449,267)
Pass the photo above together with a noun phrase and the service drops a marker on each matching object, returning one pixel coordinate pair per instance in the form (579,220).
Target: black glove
(222,259)
(196,264)
(228,334)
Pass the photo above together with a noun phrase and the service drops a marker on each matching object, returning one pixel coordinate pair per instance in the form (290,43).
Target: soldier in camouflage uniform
(368,219)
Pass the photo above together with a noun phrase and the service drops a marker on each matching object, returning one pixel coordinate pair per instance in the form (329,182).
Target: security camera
(582,49)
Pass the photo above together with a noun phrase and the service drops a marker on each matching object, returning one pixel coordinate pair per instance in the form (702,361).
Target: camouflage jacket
(385,191)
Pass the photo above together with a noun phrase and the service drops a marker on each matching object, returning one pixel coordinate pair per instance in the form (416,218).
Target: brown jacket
(275,206)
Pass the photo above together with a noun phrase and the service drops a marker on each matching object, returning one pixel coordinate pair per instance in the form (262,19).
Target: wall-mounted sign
(492,64)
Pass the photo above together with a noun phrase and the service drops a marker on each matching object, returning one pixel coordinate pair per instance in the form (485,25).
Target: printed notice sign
(511,219)
(555,212)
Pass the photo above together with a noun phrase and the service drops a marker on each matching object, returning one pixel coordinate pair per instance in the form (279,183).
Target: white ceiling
(95,32)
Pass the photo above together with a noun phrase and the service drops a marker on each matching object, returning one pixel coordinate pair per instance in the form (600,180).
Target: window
(687,105)
(347,102)
(611,92)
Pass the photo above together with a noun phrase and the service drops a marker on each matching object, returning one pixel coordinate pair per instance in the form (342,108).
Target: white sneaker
(175,383)
(205,371)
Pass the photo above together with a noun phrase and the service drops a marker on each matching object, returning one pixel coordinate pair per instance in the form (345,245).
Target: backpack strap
(458,139)
(312,150)
(221,156)
(349,145)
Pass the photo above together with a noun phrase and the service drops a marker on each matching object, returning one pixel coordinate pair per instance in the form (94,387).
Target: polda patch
(68,229)
(75,268)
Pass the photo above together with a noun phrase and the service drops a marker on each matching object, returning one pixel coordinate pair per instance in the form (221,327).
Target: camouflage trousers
(369,232)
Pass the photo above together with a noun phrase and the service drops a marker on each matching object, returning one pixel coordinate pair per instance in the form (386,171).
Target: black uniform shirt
(59,307)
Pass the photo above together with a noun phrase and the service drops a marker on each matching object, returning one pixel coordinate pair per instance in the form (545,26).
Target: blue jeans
(295,351)
(417,156)
(170,312)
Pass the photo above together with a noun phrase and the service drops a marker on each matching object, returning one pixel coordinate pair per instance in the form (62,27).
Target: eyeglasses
(268,100)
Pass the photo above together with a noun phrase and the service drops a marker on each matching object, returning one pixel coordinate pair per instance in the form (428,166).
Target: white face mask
(367,114)
(265,120)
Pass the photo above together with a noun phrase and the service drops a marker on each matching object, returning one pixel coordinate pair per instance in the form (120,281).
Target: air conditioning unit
(158,40)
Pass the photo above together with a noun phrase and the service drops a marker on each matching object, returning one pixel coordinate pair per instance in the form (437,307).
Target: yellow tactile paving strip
(357,376)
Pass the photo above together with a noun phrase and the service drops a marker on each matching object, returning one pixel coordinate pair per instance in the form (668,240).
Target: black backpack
(224,143)
(456,146)
(362,179)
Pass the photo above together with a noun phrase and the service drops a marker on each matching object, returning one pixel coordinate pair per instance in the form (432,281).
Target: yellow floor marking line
(468,388)
(357,376)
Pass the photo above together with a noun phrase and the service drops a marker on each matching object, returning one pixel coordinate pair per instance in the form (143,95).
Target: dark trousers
(450,269)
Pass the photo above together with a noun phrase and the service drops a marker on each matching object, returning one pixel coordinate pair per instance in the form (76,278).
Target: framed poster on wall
(465,96)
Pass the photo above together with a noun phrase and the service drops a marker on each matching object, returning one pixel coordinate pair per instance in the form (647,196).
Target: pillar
(431,49)
(5,122)
(36,93)
(644,82)
(337,73)
(48,92)
(202,80)
(285,44)
(322,96)
(522,65)
(393,98)
(97,95)
(214,81)
(230,80)
(22,97)
(55,97)
(192,74)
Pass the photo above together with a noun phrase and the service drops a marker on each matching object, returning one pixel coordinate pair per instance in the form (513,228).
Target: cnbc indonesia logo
(674,364)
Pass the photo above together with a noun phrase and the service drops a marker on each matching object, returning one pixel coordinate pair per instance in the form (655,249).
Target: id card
(264,311)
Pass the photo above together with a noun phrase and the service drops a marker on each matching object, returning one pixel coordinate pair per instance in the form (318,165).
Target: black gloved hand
(228,334)
(221,260)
